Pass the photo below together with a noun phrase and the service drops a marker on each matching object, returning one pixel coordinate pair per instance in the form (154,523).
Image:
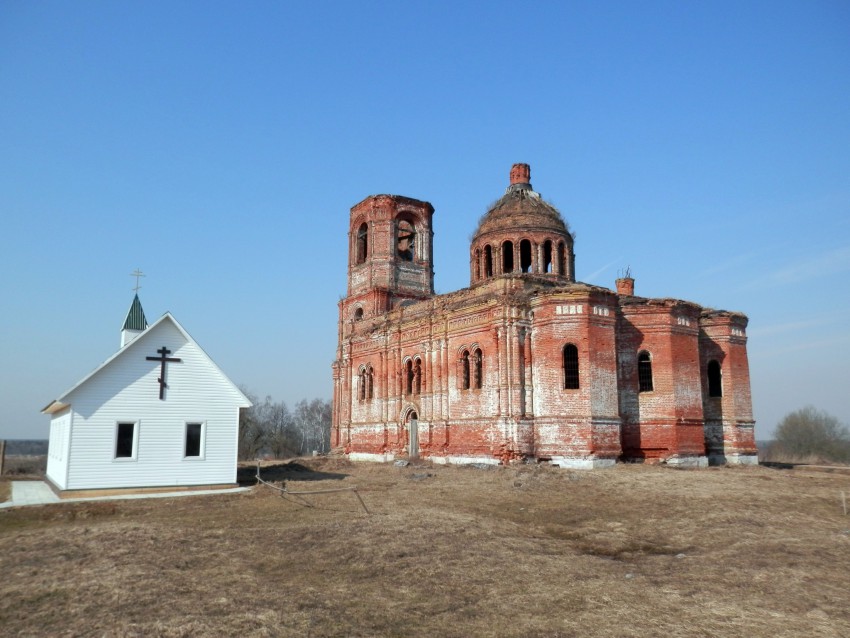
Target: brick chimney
(626,286)
(520,174)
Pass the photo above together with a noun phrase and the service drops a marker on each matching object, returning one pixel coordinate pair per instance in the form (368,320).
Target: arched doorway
(412,425)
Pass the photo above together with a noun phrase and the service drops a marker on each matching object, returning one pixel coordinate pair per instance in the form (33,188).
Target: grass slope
(525,551)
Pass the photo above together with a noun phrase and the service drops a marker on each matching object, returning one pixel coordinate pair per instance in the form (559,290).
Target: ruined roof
(521,207)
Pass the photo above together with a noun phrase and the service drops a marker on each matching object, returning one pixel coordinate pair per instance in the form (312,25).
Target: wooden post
(2,455)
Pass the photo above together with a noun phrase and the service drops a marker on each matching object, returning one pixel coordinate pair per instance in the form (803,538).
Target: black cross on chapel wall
(162,358)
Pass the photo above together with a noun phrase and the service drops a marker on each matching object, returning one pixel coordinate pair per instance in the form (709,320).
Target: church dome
(521,233)
(521,206)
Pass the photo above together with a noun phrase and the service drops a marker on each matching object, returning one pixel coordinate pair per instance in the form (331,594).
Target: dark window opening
(525,255)
(417,377)
(362,384)
(124,441)
(370,387)
(464,375)
(507,257)
(406,240)
(488,261)
(358,314)
(362,243)
(477,378)
(644,372)
(193,439)
(571,379)
(408,387)
(562,259)
(547,256)
(715,387)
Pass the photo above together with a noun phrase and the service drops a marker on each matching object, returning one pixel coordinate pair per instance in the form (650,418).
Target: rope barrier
(283,490)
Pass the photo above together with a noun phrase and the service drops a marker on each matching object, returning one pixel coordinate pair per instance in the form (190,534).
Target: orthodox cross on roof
(137,274)
(163,351)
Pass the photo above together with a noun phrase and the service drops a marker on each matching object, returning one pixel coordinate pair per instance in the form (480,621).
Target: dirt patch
(450,551)
(5,491)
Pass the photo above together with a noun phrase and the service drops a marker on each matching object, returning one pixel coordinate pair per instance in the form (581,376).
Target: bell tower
(390,252)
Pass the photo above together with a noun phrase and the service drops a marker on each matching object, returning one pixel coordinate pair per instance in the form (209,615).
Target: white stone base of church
(463,460)
(687,461)
(581,464)
(388,457)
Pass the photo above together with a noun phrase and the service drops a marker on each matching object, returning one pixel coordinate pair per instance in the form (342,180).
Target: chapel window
(644,372)
(358,314)
(488,261)
(547,256)
(464,370)
(125,441)
(477,373)
(361,384)
(507,257)
(362,243)
(525,255)
(715,387)
(194,439)
(571,377)
(406,240)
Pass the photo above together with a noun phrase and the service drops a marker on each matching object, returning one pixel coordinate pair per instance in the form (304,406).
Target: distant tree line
(26,447)
(813,436)
(271,428)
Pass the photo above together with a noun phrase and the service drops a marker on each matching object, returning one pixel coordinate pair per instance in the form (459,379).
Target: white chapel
(158,413)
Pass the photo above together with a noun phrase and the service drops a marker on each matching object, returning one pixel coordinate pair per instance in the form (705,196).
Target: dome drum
(521,234)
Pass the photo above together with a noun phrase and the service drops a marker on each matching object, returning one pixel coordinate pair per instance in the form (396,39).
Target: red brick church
(526,363)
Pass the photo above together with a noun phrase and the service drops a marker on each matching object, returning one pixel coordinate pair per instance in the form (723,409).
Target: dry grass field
(446,551)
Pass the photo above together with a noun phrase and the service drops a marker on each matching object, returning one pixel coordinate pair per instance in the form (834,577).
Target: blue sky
(219,146)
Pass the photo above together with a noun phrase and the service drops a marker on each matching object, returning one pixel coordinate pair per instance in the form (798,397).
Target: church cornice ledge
(396,199)
(656,303)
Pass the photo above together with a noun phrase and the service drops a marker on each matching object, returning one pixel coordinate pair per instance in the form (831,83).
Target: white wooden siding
(57,448)
(127,390)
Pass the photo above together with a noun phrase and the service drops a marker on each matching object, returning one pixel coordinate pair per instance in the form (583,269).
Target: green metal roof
(136,317)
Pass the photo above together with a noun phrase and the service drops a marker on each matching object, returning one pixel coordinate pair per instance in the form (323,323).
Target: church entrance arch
(411,424)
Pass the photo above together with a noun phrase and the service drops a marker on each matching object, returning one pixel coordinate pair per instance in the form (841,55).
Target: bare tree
(282,436)
(272,428)
(813,433)
(252,431)
(312,420)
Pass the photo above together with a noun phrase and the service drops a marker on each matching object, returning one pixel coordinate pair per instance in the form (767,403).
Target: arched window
(408,377)
(358,314)
(488,261)
(715,387)
(507,257)
(478,372)
(571,378)
(547,256)
(525,255)
(644,372)
(362,243)
(361,385)
(464,370)
(370,387)
(406,240)
(417,376)
(562,259)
